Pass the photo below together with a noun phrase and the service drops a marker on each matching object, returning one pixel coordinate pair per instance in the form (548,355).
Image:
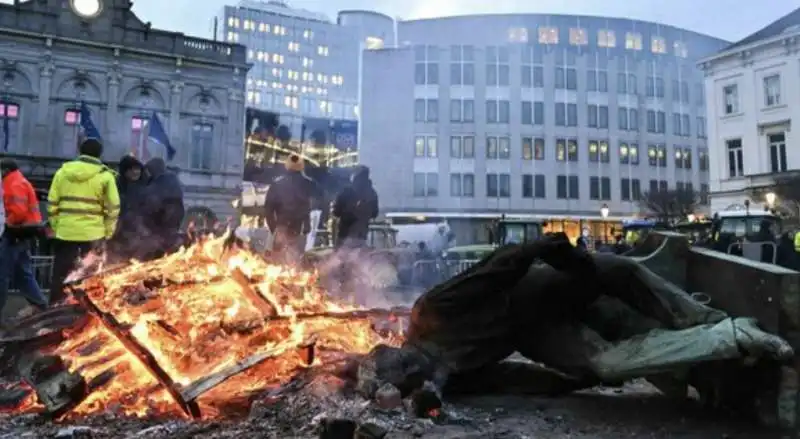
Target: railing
(428,272)
(42,265)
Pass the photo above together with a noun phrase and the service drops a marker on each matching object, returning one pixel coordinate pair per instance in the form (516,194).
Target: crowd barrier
(42,265)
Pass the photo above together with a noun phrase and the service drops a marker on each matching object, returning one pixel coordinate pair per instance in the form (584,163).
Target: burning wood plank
(197,388)
(110,322)
(57,388)
(262,303)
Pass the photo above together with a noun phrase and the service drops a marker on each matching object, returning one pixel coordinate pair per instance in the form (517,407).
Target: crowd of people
(135,213)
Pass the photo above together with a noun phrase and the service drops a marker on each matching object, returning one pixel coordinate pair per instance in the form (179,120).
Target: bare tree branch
(669,205)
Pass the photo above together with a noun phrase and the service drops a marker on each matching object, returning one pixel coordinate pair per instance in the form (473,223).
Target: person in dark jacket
(355,207)
(131,185)
(287,208)
(162,208)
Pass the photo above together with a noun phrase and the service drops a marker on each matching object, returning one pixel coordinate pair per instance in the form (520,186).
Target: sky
(727,19)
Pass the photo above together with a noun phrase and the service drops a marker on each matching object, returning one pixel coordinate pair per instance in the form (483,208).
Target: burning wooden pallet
(177,328)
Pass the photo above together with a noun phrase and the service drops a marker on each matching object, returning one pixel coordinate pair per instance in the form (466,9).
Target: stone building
(58,54)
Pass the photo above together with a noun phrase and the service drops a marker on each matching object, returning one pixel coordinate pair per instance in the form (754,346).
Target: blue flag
(88,127)
(6,136)
(158,135)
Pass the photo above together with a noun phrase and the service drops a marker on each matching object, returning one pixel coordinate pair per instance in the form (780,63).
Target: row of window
(566,150)
(776,149)
(564,115)
(534,186)
(771,91)
(564,78)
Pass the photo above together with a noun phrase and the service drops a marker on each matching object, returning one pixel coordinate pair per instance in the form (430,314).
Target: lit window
(548,35)
(290,101)
(606,38)
(230,21)
(658,45)
(322,50)
(374,43)
(633,41)
(294,47)
(250,54)
(72,117)
(308,34)
(233,37)
(680,49)
(578,37)
(308,62)
(261,27)
(518,35)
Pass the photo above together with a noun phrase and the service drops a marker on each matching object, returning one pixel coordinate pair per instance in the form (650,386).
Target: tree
(671,205)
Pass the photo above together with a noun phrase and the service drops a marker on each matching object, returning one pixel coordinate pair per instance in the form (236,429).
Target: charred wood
(58,389)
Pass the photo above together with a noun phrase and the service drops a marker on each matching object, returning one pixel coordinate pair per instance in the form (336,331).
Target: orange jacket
(20,201)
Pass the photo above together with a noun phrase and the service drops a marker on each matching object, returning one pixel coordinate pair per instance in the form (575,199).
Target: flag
(90,131)
(158,135)
(6,136)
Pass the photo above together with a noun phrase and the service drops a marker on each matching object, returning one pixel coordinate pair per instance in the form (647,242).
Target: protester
(131,185)
(23,222)
(287,208)
(355,207)
(163,210)
(83,211)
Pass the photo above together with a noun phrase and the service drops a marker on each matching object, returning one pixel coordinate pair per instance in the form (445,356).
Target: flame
(197,312)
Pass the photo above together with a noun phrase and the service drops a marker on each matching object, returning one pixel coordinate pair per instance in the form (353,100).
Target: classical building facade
(753,87)
(57,55)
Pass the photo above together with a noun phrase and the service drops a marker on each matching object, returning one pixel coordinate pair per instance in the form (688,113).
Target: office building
(547,116)
(61,55)
(752,87)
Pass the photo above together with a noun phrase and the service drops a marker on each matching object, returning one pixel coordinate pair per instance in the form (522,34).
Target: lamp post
(604,214)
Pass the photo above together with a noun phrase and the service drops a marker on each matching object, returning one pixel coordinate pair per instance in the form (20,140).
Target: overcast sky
(728,19)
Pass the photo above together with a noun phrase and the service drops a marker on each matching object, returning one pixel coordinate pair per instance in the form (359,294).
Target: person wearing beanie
(83,210)
(163,209)
(287,210)
(131,184)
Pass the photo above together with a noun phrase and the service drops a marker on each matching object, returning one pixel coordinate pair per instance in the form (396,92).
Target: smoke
(365,277)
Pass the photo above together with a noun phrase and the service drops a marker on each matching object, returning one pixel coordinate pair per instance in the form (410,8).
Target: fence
(428,272)
(42,265)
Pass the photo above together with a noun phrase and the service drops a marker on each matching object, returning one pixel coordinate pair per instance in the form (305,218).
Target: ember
(192,334)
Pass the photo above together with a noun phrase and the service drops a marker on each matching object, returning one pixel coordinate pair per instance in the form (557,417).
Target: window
(657,156)
(567,187)
(462,147)
(597,116)
(497,111)
(426,66)
(600,188)
(606,38)
(626,84)
(532,76)
(532,148)
(462,185)
(701,127)
(578,37)
(139,137)
(630,189)
(654,87)
(566,150)
(731,99)
(597,80)
(633,41)
(498,148)
(548,35)
(533,186)
(683,158)
(700,94)
(497,68)
(681,50)
(702,158)
(532,113)
(566,114)
(772,90)
(686,129)
(518,35)
(425,146)
(598,151)
(462,65)
(202,146)
(572,150)
(566,78)
(656,121)
(426,184)
(777,152)
(658,45)
(462,110)
(703,194)
(426,110)
(735,159)
(498,185)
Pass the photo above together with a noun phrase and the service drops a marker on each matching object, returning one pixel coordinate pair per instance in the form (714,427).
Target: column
(173,130)
(45,144)
(233,153)
(112,110)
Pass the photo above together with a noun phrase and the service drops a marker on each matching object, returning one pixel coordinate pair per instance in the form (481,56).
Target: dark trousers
(66,258)
(16,269)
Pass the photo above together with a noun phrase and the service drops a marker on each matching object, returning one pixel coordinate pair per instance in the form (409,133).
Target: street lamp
(691,217)
(770,197)
(604,214)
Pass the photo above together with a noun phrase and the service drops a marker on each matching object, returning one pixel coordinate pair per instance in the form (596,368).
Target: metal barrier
(753,250)
(428,272)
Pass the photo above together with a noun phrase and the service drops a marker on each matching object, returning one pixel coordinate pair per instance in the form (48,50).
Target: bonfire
(196,334)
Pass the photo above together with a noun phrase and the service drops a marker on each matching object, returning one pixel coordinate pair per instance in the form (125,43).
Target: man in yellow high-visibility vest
(83,209)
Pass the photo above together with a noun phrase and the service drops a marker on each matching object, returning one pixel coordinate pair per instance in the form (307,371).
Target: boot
(754,341)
